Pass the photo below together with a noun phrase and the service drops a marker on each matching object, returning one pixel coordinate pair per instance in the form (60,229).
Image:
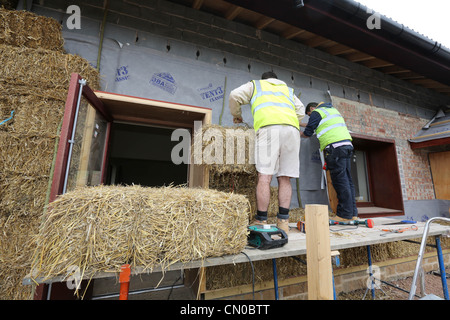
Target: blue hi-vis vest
(332,127)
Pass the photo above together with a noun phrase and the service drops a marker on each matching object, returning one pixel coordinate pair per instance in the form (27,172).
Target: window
(140,154)
(83,153)
(376,178)
(360,177)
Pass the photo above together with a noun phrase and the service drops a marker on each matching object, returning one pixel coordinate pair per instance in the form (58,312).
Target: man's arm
(313,123)
(299,109)
(238,97)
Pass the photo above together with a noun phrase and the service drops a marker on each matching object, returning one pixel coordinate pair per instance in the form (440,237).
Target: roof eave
(345,21)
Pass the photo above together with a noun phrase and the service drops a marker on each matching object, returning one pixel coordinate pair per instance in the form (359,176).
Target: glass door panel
(360,177)
(83,140)
(89,146)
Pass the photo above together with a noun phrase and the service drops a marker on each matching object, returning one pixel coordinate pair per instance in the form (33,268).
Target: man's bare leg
(284,202)
(263,196)
(284,192)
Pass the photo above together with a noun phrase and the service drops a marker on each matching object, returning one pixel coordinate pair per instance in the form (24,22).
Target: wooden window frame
(385,189)
(115,107)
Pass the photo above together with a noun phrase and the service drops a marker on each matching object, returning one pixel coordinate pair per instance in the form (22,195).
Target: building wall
(384,123)
(198,35)
(205,44)
(150,35)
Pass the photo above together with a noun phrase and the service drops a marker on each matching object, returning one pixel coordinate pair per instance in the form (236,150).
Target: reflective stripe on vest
(328,118)
(273,104)
(331,132)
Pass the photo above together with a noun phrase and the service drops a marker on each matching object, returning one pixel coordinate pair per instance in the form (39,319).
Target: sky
(427,17)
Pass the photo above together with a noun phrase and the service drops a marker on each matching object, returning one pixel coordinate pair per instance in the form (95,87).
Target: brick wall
(380,122)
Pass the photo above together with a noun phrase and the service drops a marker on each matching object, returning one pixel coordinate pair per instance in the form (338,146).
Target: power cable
(253,274)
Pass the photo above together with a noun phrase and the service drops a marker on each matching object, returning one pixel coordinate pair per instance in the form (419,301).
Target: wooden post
(318,253)
(332,195)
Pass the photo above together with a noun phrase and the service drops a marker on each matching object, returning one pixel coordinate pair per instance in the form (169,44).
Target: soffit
(288,30)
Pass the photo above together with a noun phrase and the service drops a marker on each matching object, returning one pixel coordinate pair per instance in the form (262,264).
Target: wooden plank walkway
(341,237)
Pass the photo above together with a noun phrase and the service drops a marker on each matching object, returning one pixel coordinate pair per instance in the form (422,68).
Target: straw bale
(15,89)
(34,79)
(43,68)
(245,184)
(219,277)
(22,195)
(214,148)
(101,228)
(239,183)
(26,29)
(16,243)
(33,114)
(232,181)
(27,155)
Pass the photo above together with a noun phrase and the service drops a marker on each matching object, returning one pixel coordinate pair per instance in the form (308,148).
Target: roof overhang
(345,21)
(435,135)
(339,28)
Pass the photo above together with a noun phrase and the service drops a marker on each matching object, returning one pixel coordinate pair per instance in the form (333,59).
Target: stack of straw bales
(101,228)
(240,178)
(237,177)
(218,141)
(34,79)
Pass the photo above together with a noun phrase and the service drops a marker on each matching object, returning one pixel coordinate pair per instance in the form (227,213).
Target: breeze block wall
(183,31)
(394,108)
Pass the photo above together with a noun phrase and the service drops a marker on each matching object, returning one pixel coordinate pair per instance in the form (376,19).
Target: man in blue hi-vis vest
(336,144)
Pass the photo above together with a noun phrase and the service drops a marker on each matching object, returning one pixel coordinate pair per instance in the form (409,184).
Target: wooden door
(440,170)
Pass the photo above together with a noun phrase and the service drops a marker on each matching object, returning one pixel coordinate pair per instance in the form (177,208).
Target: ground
(433,285)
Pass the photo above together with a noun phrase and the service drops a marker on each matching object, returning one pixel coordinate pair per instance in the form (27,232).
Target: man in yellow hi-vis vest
(277,113)
(335,142)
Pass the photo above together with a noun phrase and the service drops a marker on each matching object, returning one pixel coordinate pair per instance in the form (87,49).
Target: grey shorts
(277,151)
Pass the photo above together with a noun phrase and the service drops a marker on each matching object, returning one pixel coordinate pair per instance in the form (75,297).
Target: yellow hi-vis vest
(331,128)
(272,104)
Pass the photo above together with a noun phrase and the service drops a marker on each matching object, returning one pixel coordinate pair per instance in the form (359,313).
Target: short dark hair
(309,106)
(268,75)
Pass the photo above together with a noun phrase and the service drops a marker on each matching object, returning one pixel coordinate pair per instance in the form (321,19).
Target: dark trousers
(339,162)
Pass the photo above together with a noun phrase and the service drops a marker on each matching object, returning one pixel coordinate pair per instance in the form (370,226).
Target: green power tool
(266,237)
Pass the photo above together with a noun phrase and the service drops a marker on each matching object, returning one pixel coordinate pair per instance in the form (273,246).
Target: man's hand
(237,120)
